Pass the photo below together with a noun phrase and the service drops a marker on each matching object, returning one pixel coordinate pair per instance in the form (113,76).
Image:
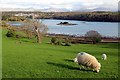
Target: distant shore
(80,16)
(80,39)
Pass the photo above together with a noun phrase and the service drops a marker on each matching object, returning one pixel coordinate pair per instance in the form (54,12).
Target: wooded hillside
(82,16)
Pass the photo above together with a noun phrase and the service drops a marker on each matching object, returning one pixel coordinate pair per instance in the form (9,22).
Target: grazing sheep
(104,56)
(86,60)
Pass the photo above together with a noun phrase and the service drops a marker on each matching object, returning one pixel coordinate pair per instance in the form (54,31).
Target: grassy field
(31,60)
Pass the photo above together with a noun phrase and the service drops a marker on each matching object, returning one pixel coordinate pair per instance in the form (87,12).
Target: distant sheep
(104,56)
(87,60)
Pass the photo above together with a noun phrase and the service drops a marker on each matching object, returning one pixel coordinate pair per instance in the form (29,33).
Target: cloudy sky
(67,4)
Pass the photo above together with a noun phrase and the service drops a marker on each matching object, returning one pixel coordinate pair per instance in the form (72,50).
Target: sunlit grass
(31,60)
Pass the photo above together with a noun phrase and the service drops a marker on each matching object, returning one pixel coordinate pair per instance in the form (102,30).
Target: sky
(67,4)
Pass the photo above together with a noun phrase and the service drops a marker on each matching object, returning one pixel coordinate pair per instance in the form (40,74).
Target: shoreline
(80,39)
(80,20)
(77,36)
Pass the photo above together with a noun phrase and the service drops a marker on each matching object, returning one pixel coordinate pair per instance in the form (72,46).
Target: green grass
(32,60)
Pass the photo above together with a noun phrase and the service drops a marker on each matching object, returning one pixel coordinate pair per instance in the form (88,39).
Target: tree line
(82,16)
(92,16)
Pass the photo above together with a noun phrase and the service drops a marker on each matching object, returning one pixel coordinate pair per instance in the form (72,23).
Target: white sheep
(104,56)
(86,60)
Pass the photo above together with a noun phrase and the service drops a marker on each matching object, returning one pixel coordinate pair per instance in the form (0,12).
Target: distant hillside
(89,16)
(83,16)
(100,16)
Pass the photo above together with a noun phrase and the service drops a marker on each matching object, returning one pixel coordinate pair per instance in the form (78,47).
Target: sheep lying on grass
(88,61)
(104,56)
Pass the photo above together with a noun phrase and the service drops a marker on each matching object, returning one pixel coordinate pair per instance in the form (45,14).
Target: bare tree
(94,36)
(36,28)
(31,28)
(40,29)
(27,28)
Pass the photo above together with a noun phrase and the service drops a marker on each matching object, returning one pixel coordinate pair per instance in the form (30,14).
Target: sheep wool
(88,61)
(104,56)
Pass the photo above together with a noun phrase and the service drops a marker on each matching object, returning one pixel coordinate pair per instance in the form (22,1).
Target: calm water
(104,28)
(15,23)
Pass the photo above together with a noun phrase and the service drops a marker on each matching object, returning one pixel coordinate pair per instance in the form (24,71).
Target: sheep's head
(98,67)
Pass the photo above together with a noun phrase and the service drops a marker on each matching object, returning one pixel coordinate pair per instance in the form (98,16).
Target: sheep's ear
(94,66)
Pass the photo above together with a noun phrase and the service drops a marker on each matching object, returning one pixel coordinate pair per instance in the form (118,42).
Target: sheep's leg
(81,67)
(86,68)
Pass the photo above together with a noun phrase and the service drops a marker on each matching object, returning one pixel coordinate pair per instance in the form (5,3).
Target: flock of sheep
(86,60)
